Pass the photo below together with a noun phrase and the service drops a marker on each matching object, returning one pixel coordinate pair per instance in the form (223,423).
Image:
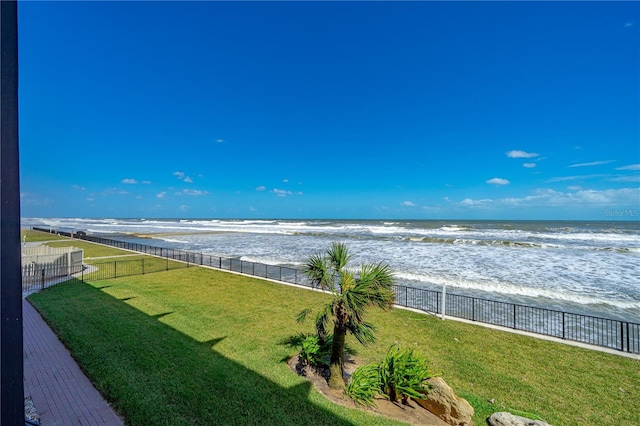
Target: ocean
(590,268)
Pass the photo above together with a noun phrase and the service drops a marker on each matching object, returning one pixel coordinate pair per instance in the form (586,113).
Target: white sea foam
(172,240)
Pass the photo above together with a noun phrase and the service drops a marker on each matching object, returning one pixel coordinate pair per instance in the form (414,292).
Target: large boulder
(508,419)
(442,401)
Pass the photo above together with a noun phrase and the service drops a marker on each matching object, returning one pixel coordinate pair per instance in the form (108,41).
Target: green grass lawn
(33,236)
(196,346)
(90,249)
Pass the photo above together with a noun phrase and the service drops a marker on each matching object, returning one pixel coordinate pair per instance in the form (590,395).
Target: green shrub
(316,351)
(400,375)
(403,374)
(364,384)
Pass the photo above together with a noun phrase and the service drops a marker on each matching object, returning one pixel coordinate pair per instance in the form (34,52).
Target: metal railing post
(473,309)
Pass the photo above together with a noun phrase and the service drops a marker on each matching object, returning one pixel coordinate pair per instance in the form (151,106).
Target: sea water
(590,268)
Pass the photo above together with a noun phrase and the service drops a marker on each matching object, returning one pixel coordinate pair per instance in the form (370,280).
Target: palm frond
(378,274)
(375,283)
(322,321)
(302,315)
(338,255)
(317,270)
(346,281)
(364,332)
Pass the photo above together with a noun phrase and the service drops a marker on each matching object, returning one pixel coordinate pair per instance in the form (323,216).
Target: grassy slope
(90,249)
(559,382)
(171,354)
(39,236)
(206,346)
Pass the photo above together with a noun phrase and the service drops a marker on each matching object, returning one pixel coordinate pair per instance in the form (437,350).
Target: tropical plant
(352,291)
(403,374)
(364,384)
(400,375)
(315,350)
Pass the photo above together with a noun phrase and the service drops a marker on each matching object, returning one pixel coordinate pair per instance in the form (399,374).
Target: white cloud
(252,209)
(521,154)
(161,195)
(183,208)
(183,177)
(593,163)
(468,202)
(114,191)
(130,181)
(194,192)
(629,167)
(146,182)
(574,188)
(219,140)
(498,181)
(627,179)
(281,192)
(408,204)
(261,188)
(285,180)
(629,24)
(529,165)
(551,198)
(580,177)
(79,188)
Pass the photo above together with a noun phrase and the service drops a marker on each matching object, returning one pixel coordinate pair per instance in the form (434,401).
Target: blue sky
(421,110)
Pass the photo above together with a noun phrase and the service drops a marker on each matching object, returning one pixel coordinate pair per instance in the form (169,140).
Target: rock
(508,419)
(30,413)
(442,401)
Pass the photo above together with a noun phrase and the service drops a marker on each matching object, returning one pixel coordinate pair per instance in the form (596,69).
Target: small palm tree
(352,293)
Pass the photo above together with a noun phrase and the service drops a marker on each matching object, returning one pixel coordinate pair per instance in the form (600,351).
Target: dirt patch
(412,413)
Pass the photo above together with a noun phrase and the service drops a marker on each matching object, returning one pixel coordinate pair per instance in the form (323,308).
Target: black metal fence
(614,334)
